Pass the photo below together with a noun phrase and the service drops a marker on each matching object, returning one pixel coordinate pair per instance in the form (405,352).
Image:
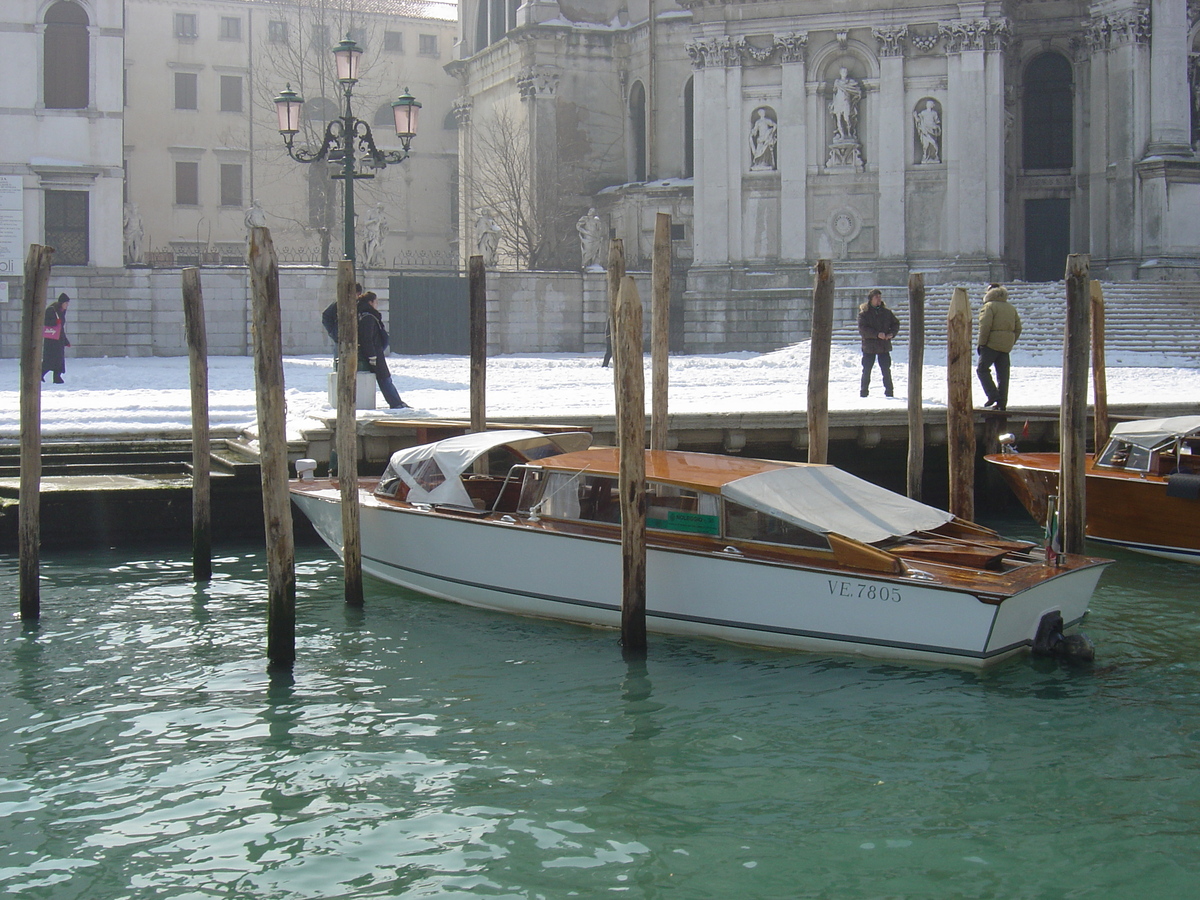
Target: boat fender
(1050,641)
(1183,485)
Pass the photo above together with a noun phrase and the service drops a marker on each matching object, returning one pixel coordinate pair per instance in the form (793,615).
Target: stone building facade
(202,143)
(60,131)
(971,141)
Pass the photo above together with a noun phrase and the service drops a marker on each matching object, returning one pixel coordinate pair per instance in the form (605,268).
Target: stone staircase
(1146,324)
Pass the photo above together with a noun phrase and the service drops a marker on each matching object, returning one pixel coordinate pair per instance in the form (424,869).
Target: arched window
(1048,138)
(481,26)
(65,65)
(689,130)
(637,129)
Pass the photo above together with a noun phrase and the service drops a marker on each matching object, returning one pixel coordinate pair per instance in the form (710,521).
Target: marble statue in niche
(928,122)
(487,236)
(845,150)
(764,136)
(844,106)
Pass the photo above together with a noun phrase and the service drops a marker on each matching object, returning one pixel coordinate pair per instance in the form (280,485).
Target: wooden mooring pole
(960,421)
(1073,418)
(818,364)
(29,525)
(916,385)
(272,442)
(477,286)
(1099,373)
(347,431)
(660,327)
(631,438)
(616,271)
(197,341)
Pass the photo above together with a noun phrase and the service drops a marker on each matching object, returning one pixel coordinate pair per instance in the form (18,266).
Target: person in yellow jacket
(999,328)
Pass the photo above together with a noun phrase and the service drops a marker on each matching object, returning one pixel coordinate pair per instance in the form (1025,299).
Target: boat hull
(535,570)
(1124,509)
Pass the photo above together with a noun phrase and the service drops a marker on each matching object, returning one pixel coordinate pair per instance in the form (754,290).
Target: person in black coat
(54,339)
(372,349)
(877,325)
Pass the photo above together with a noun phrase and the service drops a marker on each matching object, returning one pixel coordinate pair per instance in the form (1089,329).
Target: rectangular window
(67,226)
(231,28)
(231,93)
(185,26)
(428,45)
(185,90)
(231,184)
(277,32)
(320,38)
(187,184)
(393,41)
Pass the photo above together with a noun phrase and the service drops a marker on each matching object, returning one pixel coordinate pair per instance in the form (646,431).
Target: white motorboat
(775,554)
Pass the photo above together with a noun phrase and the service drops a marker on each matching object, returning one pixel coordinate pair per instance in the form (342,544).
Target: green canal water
(421,749)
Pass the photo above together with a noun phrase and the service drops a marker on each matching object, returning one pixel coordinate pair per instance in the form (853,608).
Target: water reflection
(418,748)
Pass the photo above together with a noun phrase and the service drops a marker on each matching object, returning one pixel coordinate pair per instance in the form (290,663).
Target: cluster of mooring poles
(1083,331)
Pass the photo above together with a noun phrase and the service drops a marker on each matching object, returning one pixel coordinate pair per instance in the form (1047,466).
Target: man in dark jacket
(877,325)
(372,347)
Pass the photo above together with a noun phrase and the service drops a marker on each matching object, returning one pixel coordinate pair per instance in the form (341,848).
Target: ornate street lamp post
(343,133)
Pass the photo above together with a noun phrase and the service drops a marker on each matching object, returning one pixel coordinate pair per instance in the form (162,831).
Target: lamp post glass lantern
(344,133)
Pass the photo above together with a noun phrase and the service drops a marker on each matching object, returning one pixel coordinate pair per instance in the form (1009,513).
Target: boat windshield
(1119,454)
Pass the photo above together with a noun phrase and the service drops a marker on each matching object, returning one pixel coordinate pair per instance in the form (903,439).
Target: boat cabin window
(596,498)
(670,507)
(1123,455)
(746,524)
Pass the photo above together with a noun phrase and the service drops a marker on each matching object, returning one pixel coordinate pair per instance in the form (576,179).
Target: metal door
(429,314)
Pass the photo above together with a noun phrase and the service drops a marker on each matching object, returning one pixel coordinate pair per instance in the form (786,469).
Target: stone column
(894,141)
(538,86)
(997,33)
(735,130)
(710,218)
(793,151)
(1169,100)
(1120,54)
(965,136)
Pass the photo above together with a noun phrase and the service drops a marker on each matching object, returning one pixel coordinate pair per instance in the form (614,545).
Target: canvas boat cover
(433,472)
(1150,434)
(825,499)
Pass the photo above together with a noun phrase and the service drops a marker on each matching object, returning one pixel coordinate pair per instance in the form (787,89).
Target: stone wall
(139,312)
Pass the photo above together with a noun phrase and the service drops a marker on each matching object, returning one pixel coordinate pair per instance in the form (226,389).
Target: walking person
(373,347)
(877,325)
(999,329)
(54,339)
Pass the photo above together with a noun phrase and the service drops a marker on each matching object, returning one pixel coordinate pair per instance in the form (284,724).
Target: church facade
(971,141)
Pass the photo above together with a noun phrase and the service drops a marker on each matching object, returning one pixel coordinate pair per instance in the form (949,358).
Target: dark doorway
(429,314)
(1047,238)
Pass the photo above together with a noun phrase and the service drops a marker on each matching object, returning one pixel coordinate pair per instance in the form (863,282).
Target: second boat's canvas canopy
(1150,434)
(825,499)
(433,472)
